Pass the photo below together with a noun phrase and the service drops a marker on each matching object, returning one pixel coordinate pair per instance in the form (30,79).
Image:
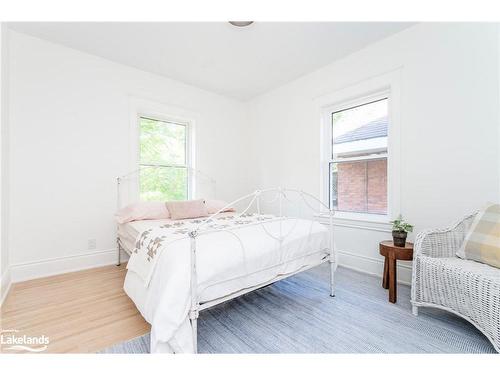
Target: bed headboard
(201,185)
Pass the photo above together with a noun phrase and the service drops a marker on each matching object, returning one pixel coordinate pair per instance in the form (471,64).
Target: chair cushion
(457,265)
(482,243)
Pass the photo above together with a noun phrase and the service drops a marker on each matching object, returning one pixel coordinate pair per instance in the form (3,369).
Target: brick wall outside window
(362,186)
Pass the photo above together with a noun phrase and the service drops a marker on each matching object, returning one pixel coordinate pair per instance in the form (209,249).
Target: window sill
(379,223)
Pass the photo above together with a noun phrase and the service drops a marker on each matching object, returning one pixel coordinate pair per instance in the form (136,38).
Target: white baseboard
(373,266)
(5,283)
(55,266)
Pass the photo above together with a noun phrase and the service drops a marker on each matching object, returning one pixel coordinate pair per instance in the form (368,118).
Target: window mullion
(163,165)
(358,158)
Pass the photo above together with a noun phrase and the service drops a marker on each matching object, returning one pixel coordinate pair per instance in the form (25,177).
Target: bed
(178,268)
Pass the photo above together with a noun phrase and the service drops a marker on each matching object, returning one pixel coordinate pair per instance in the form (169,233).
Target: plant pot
(399,238)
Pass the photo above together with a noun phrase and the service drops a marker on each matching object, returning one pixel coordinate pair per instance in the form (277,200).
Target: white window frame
(382,86)
(161,112)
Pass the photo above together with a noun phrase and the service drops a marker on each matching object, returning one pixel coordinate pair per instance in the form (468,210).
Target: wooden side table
(392,254)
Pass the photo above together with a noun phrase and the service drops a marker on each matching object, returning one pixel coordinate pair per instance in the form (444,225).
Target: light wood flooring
(80,312)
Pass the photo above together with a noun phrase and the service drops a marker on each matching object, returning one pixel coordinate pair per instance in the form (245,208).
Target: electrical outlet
(92,244)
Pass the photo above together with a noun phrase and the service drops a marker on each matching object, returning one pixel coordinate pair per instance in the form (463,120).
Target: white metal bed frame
(254,198)
(194,175)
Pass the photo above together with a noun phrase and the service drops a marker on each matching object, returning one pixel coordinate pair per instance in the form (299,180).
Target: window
(357,168)
(163,160)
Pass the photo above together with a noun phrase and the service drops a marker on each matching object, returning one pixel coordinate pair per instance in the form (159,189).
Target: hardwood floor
(80,312)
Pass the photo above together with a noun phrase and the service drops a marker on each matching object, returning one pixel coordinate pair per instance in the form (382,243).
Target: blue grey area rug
(297,315)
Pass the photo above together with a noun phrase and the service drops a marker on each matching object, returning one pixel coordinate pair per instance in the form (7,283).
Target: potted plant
(400,229)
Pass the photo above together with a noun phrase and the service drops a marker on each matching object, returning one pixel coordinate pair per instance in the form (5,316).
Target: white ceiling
(236,62)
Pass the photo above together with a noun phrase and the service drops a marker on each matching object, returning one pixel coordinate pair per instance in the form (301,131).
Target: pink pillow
(214,206)
(142,211)
(187,209)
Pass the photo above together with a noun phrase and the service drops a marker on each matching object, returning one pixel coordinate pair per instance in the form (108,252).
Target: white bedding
(227,262)
(128,232)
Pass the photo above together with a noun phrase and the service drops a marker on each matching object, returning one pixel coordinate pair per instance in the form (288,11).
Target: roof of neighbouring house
(374,129)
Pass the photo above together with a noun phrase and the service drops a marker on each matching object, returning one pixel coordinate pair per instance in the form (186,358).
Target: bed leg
(332,279)
(194,328)
(118,260)
(193,312)
(332,257)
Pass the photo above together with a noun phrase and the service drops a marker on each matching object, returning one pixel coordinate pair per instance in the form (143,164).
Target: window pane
(163,184)
(361,186)
(162,142)
(360,130)
(376,199)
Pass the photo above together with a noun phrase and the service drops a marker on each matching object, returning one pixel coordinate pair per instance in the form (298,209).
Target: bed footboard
(255,199)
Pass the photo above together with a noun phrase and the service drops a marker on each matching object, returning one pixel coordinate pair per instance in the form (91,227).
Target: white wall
(4,252)
(69,141)
(449,128)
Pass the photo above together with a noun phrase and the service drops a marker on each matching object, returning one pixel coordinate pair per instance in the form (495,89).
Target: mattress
(128,232)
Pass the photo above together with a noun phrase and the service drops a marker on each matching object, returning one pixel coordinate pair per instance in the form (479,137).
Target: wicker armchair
(466,288)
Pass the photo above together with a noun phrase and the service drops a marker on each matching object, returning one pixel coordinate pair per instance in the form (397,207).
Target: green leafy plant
(400,225)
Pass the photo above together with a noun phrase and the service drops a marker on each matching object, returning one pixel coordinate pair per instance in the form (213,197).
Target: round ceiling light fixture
(241,23)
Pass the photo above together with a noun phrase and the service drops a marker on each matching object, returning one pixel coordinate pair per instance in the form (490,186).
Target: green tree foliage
(164,174)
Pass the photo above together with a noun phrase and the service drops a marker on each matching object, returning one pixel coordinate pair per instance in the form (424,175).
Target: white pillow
(187,209)
(215,206)
(142,211)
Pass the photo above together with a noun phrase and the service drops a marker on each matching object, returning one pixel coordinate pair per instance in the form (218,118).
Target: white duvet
(244,254)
